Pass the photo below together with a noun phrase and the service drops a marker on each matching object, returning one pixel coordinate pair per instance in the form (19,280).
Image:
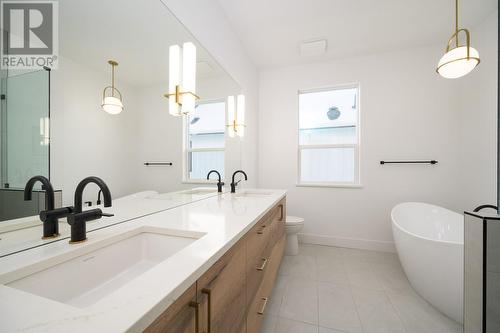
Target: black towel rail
(157,163)
(409,162)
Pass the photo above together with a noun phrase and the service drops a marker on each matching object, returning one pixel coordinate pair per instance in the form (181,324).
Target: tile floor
(332,290)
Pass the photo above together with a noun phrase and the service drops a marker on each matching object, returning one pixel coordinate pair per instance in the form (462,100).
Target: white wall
(478,105)
(407,112)
(85,141)
(207,21)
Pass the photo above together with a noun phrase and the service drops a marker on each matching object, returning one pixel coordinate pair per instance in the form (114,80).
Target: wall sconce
(112,104)
(236,116)
(182,94)
(458,60)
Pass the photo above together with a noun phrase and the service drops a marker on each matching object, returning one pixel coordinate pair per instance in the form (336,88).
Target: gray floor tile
(331,269)
(337,309)
(419,316)
(269,324)
(376,312)
(291,326)
(349,291)
(274,304)
(300,301)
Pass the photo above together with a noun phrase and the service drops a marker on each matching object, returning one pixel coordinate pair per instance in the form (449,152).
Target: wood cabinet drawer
(260,241)
(258,252)
(257,306)
(222,293)
(180,317)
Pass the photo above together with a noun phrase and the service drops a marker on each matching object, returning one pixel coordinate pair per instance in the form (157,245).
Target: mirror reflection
(103,112)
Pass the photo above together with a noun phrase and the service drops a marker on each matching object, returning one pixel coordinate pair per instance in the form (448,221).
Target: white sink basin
(253,193)
(84,280)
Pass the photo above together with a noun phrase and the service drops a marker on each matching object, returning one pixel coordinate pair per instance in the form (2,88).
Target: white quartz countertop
(220,220)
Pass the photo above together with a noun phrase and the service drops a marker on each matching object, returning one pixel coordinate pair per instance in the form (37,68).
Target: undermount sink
(84,280)
(253,193)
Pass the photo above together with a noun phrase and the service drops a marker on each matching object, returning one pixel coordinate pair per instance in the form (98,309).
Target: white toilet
(293,225)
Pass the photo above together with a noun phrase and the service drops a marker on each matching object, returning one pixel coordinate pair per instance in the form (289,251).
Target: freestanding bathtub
(429,241)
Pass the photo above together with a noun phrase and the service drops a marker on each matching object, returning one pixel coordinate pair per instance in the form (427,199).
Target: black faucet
(50,216)
(219,183)
(99,197)
(78,220)
(233,184)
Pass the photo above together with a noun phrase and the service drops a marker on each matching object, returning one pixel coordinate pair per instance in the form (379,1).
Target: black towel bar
(409,162)
(157,163)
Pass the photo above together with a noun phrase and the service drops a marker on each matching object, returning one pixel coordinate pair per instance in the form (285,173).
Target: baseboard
(352,243)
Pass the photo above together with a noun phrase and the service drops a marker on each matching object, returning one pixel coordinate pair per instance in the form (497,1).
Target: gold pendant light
(112,104)
(458,60)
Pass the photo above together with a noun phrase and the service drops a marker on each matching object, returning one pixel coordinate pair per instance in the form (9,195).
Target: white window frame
(357,146)
(186,150)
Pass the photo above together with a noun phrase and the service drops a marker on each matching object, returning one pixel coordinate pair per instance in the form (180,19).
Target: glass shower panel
(27,127)
(492,273)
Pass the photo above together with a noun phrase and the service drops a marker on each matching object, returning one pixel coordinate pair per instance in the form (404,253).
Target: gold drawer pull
(208,292)
(196,307)
(264,262)
(263,309)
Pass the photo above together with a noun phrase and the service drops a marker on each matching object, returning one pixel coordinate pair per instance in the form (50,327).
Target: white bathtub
(429,241)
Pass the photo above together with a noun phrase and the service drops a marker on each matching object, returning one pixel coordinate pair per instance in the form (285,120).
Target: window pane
(201,162)
(332,135)
(206,140)
(207,125)
(328,117)
(329,165)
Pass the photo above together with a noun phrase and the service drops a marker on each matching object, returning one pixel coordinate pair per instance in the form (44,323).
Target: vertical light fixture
(182,80)
(112,104)
(236,116)
(44,131)
(458,60)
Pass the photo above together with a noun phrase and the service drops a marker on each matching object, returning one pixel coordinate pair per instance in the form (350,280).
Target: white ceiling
(271,30)
(136,33)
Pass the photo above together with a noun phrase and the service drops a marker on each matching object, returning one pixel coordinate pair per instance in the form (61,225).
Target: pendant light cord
(112,80)
(456,22)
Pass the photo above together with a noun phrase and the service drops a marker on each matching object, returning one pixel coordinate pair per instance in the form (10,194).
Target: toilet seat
(293,220)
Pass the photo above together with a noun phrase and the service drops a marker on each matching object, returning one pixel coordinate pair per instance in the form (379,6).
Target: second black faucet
(78,220)
(233,184)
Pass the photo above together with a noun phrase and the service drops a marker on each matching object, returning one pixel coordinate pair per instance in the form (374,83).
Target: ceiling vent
(313,47)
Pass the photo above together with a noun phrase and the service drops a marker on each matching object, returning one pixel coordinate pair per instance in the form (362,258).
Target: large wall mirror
(52,123)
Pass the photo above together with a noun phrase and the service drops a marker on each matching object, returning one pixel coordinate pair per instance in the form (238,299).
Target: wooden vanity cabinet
(222,293)
(231,297)
(180,317)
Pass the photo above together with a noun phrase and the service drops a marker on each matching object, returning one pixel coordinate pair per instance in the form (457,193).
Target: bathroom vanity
(232,295)
(207,266)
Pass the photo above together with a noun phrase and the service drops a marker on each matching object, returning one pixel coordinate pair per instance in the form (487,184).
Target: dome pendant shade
(455,63)
(112,105)
(112,101)
(458,60)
